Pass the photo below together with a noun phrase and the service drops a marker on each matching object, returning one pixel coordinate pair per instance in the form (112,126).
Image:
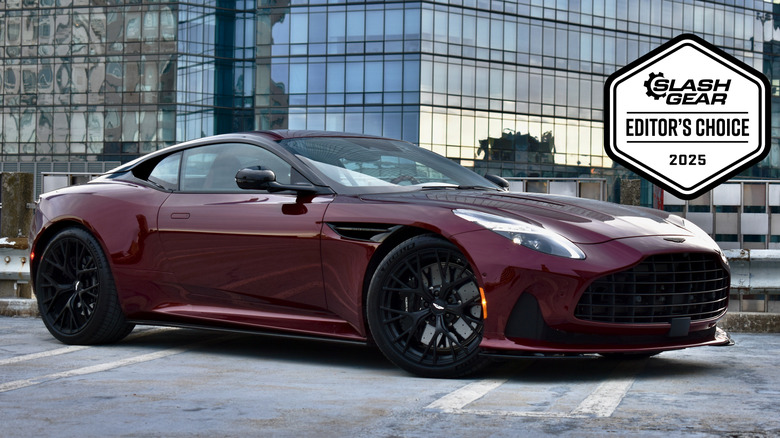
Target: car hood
(580,220)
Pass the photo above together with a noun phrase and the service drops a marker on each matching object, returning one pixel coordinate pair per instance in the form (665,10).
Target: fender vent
(363,231)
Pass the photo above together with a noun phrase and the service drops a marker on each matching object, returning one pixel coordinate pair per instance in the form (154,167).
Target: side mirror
(497,180)
(257,178)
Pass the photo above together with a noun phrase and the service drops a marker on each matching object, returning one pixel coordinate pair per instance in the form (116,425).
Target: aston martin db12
(368,239)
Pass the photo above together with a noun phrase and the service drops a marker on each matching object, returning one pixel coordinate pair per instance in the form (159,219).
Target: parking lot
(176,382)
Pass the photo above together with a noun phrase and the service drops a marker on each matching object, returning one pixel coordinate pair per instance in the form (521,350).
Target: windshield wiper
(158,185)
(453,187)
(478,188)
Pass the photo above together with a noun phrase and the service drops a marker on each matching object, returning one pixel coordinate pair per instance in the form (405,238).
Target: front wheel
(424,309)
(75,290)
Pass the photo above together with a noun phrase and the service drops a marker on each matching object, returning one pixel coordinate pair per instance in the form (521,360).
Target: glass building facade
(94,80)
(215,68)
(507,87)
(86,82)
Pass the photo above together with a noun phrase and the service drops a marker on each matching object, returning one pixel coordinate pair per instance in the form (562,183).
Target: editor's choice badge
(687,116)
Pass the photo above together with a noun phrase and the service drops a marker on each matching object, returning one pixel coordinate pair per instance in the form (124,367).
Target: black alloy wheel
(424,309)
(76,294)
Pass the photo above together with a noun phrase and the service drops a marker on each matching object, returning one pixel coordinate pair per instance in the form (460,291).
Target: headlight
(523,233)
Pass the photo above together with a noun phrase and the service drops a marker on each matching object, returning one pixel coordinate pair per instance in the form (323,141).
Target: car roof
(281,134)
(266,137)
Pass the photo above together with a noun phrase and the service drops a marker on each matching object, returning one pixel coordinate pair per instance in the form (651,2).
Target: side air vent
(362,231)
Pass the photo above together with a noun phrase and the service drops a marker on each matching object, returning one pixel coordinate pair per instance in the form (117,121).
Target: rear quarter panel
(123,218)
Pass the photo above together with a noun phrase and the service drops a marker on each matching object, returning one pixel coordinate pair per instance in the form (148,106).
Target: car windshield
(372,165)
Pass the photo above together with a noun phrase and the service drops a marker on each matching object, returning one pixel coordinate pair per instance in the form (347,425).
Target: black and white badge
(687,116)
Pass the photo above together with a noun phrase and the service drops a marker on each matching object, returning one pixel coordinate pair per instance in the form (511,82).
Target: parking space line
(19,384)
(523,414)
(49,353)
(25,383)
(72,348)
(461,397)
(601,402)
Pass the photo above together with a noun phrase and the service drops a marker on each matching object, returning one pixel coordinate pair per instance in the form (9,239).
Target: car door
(231,248)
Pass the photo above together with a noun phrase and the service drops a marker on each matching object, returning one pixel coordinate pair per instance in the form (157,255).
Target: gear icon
(649,86)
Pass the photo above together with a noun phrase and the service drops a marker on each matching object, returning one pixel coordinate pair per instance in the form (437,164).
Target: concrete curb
(750,322)
(18,307)
(737,322)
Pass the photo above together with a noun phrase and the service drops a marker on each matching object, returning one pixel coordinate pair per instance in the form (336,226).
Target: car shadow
(261,346)
(348,355)
(594,368)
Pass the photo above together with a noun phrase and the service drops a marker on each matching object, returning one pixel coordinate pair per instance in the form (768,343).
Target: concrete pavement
(183,383)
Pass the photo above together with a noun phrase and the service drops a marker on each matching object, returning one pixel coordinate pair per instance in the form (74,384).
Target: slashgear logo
(687,116)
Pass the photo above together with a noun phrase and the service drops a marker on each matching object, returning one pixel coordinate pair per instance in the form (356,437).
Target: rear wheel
(75,290)
(424,309)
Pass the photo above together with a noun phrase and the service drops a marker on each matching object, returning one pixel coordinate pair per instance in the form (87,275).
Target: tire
(76,294)
(424,309)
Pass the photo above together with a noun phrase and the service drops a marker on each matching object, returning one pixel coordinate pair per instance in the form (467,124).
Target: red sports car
(373,240)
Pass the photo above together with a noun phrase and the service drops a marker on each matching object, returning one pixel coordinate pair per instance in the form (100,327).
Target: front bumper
(531,302)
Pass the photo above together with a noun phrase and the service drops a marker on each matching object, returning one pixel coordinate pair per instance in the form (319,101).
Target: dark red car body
(302,262)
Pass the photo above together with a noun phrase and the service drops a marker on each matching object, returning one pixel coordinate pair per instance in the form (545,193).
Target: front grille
(659,289)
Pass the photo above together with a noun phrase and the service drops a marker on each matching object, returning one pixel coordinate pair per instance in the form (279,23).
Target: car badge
(675,239)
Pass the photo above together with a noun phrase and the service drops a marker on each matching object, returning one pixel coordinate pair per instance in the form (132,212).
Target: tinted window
(213,168)
(166,172)
(366,165)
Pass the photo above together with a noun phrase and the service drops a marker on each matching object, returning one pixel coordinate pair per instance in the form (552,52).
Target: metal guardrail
(755,279)
(755,271)
(14,268)
(15,265)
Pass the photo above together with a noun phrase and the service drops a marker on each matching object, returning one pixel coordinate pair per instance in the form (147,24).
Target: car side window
(213,168)
(166,172)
